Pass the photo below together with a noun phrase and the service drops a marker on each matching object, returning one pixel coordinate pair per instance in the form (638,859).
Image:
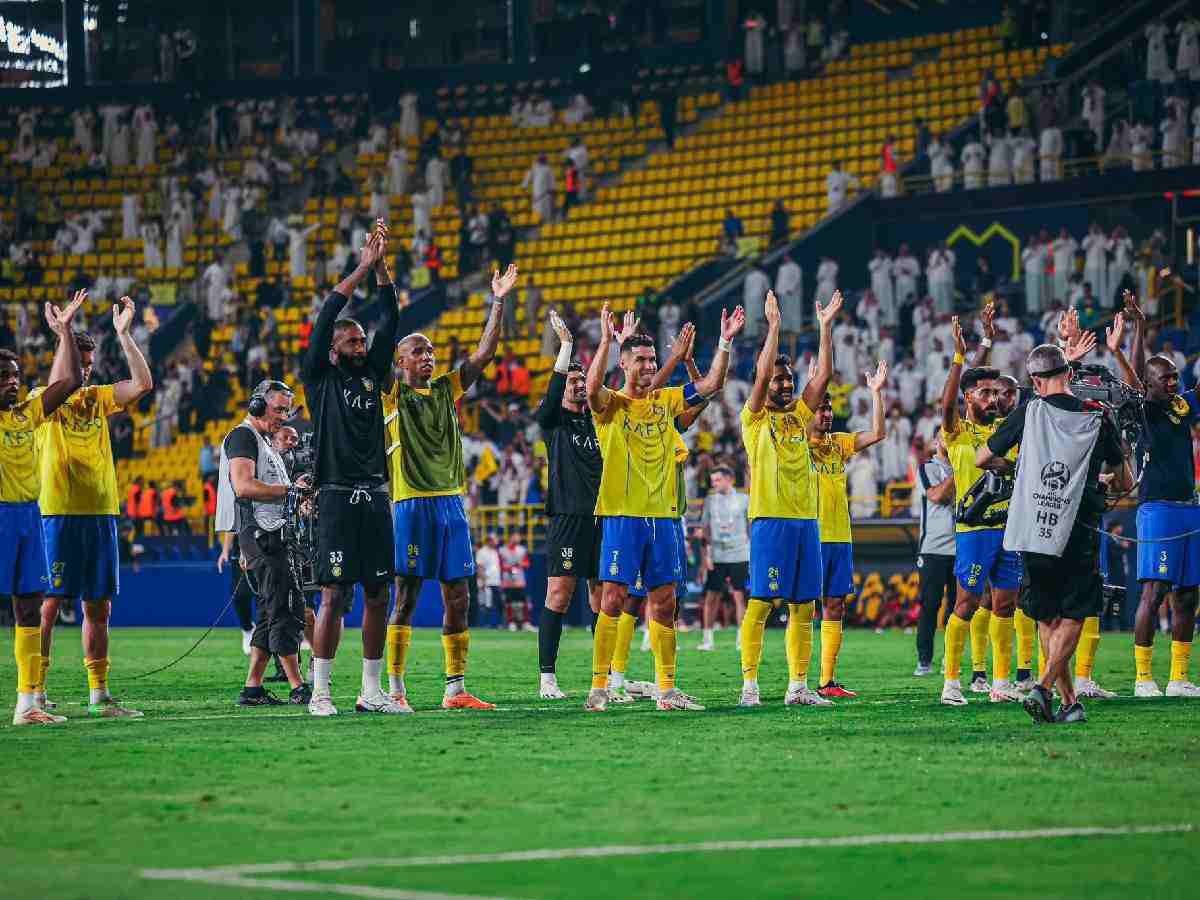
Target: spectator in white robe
(1050,150)
(789,290)
(398,170)
(1158,67)
(827,277)
(1024,152)
(539,181)
(939,272)
(298,249)
(152,255)
(880,269)
(973,156)
(1095,261)
(1033,261)
(905,271)
(754,294)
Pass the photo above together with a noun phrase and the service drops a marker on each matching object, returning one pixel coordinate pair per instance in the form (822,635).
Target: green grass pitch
(199,783)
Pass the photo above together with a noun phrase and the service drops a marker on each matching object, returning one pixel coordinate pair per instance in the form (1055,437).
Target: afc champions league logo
(1055,476)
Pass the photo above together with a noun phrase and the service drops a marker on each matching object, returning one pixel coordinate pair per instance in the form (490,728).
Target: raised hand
(1068,326)
(1083,344)
(628,327)
(606,324)
(826,314)
(1115,333)
(879,379)
(960,342)
(502,284)
(560,328)
(771,310)
(987,318)
(372,251)
(59,320)
(123,316)
(685,343)
(731,324)
(1133,312)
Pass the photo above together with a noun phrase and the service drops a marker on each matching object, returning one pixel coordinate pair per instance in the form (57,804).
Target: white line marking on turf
(236,876)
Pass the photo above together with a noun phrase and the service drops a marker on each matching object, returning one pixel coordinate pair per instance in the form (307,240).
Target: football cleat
(550,690)
(805,697)
(1003,692)
(922,669)
(300,694)
(1037,704)
(264,698)
(833,689)
(706,644)
(36,716)
(641,690)
(1024,685)
(1085,687)
(44,704)
(401,700)
(676,699)
(1182,689)
(979,684)
(380,703)
(620,695)
(952,694)
(466,701)
(1146,689)
(597,700)
(321,705)
(1072,713)
(749,697)
(111,709)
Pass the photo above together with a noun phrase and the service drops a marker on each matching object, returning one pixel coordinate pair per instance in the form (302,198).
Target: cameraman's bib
(1052,472)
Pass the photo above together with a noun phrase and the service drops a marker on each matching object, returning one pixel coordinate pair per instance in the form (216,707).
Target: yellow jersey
(638,442)
(961,445)
(424,422)
(681,455)
(19,480)
(75,455)
(782,483)
(829,455)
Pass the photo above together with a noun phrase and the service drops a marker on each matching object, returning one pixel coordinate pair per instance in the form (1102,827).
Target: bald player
(433,537)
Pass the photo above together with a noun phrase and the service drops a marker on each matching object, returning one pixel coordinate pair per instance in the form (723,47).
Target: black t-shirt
(1168,474)
(573,452)
(346,402)
(242,444)
(1107,451)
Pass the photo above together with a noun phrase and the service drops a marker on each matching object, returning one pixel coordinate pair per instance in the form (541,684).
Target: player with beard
(638,502)
(343,384)
(24,573)
(79,504)
(980,558)
(432,534)
(573,532)
(785,539)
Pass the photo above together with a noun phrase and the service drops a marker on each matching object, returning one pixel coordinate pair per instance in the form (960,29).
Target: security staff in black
(344,384)
(935,552)
(573,532)
(1049,494)
(252,486)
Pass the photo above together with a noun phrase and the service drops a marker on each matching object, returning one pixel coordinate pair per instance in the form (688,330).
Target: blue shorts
(433,538)
(635,547)
(980,560)
(785,559)
(837,570)
(23,568)
(681,550)
(83,556)
(1176,562)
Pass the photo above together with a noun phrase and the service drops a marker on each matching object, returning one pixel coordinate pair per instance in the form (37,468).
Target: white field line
(237,876)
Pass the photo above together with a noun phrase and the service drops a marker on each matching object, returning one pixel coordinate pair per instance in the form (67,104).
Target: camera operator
(1057,505)
(343,384)
(935,553)
(1168,517)
(253,483)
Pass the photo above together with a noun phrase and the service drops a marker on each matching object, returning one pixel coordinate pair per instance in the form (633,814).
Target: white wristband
(725,345)
(986,342)
(564,357)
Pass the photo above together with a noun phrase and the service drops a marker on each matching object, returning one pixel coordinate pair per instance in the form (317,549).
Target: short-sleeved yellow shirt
(75,455)
(638,443)
(829,455)
(782,482)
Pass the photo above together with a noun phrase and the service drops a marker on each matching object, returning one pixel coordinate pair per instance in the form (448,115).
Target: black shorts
(1067,586)
(573,546)
(736,572)
(280,608)
(354,537)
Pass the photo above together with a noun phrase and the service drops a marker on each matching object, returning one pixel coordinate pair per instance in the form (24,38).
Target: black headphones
(258,398)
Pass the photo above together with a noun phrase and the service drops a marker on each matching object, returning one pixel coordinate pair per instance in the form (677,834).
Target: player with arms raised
(432,534)
(638,499)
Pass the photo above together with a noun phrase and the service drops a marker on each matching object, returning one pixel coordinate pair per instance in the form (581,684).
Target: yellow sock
(1085,652)
(43,671)
(753,626)
(1026,629)
(1181,655)
(831,645)
(399,637)
(979,639)
(27,648)
(626,625)
(798,640)
(1000,630)
(97,671)
(455,648)
(603,641)
(957,630)
(1142,658)
(662,642)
